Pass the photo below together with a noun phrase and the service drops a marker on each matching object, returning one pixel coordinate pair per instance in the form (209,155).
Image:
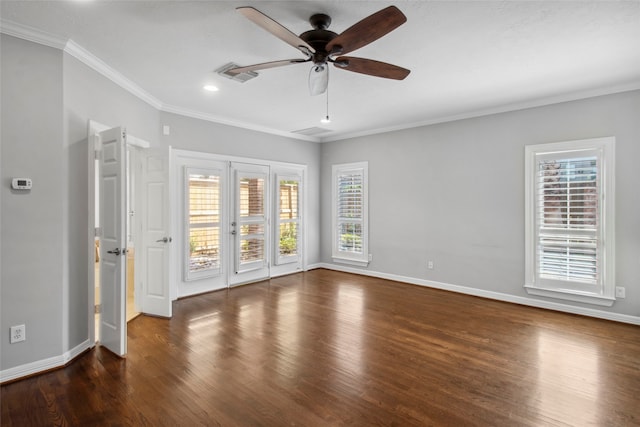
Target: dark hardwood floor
(325,348)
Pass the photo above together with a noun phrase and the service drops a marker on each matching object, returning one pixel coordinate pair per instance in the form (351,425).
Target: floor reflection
(568,378)
(349,329)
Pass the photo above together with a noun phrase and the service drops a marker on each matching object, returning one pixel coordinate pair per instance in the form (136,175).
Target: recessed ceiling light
(210,88)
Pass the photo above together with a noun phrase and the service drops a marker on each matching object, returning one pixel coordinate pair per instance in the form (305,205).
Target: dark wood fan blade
(275,28)
(368,30)
(265,65)
(371,67)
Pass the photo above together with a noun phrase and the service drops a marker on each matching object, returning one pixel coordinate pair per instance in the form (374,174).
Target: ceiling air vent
(311,131)
(240,77)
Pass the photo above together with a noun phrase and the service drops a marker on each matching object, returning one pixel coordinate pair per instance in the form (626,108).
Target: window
(203,226)
(350,213)
(570,220)
(288,219)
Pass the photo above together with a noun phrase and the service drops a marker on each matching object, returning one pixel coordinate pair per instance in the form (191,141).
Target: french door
(249,226)
(241,221)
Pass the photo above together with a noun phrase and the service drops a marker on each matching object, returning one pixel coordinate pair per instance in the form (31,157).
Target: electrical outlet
(620,292)
(430,265)
(18,333)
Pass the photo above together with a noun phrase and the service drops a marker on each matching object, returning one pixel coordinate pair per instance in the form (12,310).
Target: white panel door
(249,223)
(156,235)
(113,259)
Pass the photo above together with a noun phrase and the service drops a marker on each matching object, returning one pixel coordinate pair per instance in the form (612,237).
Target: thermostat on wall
(21,184)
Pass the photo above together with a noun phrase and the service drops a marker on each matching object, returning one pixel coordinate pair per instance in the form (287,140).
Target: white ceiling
(466,58)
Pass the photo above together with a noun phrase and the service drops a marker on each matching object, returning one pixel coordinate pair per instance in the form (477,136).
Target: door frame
(181,158)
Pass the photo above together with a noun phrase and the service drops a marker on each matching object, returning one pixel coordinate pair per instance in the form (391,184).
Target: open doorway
(128,211)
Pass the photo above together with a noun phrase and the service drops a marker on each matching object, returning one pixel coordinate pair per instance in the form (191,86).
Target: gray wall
(47,99)
(454,193)
(32,233)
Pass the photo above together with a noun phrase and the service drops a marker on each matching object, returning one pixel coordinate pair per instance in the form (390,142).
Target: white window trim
(360,260)
(606,148)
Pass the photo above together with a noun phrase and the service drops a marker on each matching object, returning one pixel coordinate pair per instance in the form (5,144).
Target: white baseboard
(549,305)
(314,266)
(43,365)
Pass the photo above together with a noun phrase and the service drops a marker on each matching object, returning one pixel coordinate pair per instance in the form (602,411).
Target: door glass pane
(288,199)
(251,197)
(288,239)
(204,248)
(248,229)
(288,218)
(251,250)
(204,222)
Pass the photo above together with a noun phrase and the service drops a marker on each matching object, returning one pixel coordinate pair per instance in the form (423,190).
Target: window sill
(353,262)
(570,296)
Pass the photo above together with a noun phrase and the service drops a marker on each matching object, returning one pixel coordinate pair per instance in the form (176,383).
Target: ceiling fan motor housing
(319,37)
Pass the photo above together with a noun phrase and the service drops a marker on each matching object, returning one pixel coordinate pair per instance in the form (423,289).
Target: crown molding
(95,63)
(81,54)
(72,48)
(215,119)
(507,108)
(31,34)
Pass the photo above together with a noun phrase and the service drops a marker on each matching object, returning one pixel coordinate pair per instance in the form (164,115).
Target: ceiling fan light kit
(323,47)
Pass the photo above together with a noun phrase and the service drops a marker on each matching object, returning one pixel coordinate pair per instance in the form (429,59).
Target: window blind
(350,202)
(204,222)
(350,216)
(567,215)
(288,219)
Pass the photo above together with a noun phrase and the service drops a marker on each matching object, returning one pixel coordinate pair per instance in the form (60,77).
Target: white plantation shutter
(350,212)
(251,222)
(567,214)
(203,226)
(570,230)
(288,219)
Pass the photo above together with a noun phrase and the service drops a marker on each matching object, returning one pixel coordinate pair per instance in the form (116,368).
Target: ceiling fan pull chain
(326,119)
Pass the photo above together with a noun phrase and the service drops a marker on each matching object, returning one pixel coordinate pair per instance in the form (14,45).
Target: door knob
(116,251)
(165,240)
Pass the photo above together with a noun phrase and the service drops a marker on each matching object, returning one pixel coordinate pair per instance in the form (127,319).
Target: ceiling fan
(322,46)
